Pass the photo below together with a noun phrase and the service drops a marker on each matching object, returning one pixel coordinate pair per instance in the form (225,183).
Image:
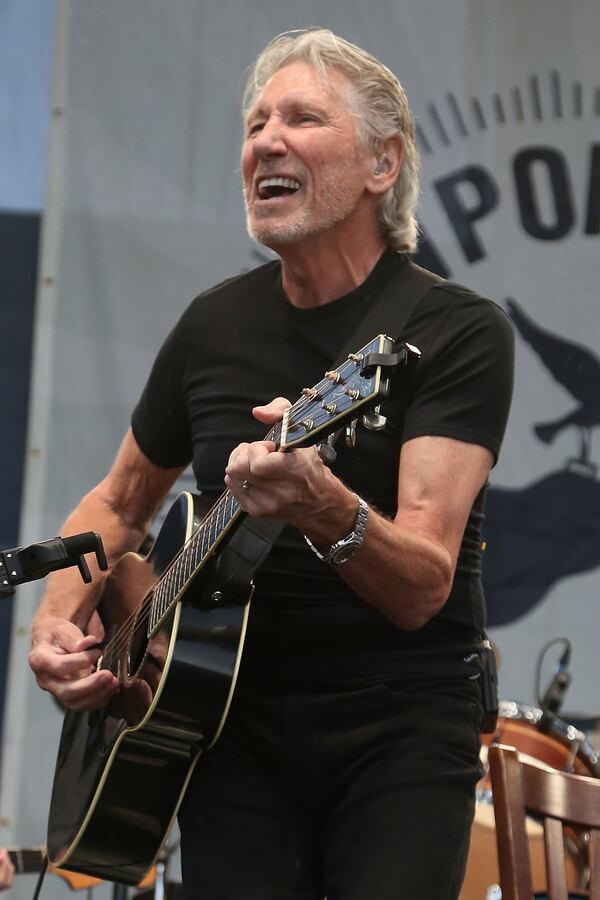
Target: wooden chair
(557,799)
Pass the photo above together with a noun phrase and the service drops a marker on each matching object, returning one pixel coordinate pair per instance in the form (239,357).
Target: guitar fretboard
(192,557)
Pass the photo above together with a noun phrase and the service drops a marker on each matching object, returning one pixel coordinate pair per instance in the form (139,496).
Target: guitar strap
(390,311)
(253,539)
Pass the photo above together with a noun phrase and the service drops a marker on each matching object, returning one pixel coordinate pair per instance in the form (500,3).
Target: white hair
(381,110)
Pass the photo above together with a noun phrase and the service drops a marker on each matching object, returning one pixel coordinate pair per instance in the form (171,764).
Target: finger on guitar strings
(88,692)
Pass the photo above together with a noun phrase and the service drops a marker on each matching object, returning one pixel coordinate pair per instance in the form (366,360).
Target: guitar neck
(217,523)
(203,542)
(27,859)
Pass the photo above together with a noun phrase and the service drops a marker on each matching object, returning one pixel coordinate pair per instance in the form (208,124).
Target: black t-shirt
(241,344)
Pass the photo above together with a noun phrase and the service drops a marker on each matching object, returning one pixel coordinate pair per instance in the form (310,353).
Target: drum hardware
(574,751)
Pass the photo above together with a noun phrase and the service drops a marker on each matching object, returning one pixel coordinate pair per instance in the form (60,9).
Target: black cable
(562,662)
(40,880)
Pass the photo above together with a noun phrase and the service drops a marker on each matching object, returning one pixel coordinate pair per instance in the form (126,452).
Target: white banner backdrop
(145,210)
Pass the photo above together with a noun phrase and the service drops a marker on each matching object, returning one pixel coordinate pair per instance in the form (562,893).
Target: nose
(270,140)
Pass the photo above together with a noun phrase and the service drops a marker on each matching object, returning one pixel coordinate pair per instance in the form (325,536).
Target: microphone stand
(162,863)
(121,891)
(22,564)
(554,695)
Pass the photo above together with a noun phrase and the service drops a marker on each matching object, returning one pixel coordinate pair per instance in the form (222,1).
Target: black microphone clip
(22,564)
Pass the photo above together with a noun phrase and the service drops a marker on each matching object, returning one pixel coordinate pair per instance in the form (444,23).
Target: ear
(387,162)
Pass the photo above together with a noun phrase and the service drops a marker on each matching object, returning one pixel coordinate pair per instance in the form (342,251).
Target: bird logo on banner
(550,529)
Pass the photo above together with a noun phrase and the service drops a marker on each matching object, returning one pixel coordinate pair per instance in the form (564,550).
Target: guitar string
(138,617)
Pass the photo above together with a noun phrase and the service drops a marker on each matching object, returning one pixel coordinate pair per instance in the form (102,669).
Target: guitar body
(122,770)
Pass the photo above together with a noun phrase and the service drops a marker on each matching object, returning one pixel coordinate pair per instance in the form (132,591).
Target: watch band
(346,547)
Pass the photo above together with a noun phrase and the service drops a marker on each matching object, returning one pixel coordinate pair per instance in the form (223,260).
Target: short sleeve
(463,383)
(160,421)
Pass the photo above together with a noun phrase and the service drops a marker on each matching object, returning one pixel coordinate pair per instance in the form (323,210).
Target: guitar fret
(156,606)
(153,618)
(179,576)
(168,583)
(176,577)
(172,583)
(153,604)
(219,525)
(189,562)
(165,601)
(196,554)
(211,529)
(212,533)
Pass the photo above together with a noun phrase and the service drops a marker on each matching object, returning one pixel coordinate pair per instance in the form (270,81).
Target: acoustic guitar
(175,622)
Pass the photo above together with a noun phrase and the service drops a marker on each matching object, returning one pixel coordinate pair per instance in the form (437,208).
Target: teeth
(290,183)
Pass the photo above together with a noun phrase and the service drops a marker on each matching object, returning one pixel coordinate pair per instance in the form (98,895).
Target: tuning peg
(350,437)
(373,421)
(310,393)
(327,453)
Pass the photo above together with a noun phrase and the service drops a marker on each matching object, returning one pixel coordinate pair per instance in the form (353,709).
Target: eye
(253,128)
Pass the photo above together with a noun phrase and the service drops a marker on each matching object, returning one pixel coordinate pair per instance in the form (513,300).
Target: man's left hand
(294,485)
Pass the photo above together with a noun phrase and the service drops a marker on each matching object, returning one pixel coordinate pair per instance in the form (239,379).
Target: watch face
(344,553)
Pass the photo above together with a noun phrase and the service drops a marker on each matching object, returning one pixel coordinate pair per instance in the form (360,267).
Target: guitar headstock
(345,393)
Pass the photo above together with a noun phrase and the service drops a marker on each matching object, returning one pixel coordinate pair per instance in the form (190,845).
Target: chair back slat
(509,812)
(594,862)
(556,868)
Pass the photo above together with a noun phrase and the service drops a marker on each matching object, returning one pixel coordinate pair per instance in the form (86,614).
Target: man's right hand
(64,659)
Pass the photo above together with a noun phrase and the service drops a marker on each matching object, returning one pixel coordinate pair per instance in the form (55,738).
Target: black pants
(363,794)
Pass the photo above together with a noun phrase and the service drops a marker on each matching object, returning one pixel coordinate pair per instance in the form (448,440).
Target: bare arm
(405,566)
(65,626)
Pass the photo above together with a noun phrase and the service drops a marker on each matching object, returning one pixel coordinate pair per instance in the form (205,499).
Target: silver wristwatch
(346,547)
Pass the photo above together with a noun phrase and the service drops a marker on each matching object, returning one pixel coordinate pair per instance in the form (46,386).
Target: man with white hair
(348,762)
